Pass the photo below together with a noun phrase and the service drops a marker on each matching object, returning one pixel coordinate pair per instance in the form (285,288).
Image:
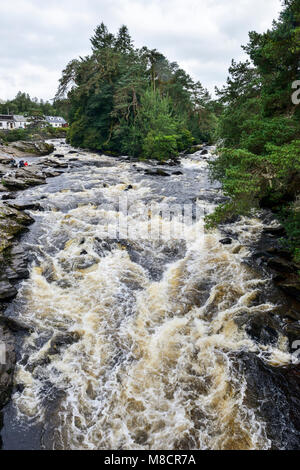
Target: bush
(14,135)
(160,146)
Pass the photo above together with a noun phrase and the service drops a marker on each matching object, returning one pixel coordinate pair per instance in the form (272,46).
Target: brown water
(151,363)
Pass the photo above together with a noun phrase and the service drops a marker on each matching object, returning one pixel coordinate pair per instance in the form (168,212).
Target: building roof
(19,118)
(55,120)
(6,117)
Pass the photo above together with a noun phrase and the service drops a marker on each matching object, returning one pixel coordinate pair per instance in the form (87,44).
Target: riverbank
(14,221)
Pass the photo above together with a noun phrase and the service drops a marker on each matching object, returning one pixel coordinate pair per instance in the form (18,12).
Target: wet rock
(156,172)
(177,173)
(141,437)
(275,231)
(35,206)
(7,369)
(5,160)
(62,340)
(259,330)
(19,388)
(23,178)
(274,393)
(39,148)
(292,330)
(17,268)
(172,162)
(193,149)
(204,152)
(85,262)
(261,327)
(3,189)
(281,265)
(7,291)
(59,155)
(7,197)
(14,325)
(64,284)
(128,188)
(226,241)
(276,251)
(51,174)
(291,288)
(12,222)
(79,263)
(53,163)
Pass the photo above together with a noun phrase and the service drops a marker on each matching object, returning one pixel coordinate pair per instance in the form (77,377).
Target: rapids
(134,341)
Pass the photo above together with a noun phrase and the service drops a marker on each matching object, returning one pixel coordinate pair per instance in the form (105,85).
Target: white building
(6,122)
(10,122)
(20,122)
(56,121)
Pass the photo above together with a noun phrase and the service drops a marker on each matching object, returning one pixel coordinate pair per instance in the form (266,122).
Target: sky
(38,38)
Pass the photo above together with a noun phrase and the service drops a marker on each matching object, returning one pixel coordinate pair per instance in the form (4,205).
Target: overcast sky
(38,38)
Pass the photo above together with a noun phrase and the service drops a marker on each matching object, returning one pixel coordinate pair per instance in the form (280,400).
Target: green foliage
(32,134)
(260,127)
(14,135)
(133,101)
(25,105)
(290,217)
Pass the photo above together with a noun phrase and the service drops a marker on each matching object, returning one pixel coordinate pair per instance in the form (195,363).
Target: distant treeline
(132,101)
(23,104)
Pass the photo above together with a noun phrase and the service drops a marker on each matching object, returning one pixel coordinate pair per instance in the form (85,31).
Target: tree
(102,38)
(123,42)
(118,91)
(259,163)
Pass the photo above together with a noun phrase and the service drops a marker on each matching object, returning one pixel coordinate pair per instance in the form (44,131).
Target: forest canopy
(132,101)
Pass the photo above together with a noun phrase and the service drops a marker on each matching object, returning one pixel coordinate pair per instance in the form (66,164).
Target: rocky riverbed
(217,311)
(13,222)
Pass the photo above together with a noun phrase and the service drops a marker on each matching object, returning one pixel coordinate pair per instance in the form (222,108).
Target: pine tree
(123,41)
(102,38)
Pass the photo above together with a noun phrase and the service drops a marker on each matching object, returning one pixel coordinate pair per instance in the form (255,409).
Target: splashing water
(134,342)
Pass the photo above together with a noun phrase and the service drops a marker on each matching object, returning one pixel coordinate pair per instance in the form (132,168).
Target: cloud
(37,39)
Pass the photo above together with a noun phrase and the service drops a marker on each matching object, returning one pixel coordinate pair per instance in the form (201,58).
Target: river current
(134,341)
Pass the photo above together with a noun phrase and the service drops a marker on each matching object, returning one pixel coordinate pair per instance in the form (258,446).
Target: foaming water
(137,339)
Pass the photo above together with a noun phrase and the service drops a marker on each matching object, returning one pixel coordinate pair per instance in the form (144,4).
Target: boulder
(7,291)
(226,241)
(4,160)
(39,148)
(35,206)
(291,288)
(62,340)
(281,265)
(156,172)
(12,222)
(53,163)
(7,369)
(275,231)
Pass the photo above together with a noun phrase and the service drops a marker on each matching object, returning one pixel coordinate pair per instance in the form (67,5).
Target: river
(134,341)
